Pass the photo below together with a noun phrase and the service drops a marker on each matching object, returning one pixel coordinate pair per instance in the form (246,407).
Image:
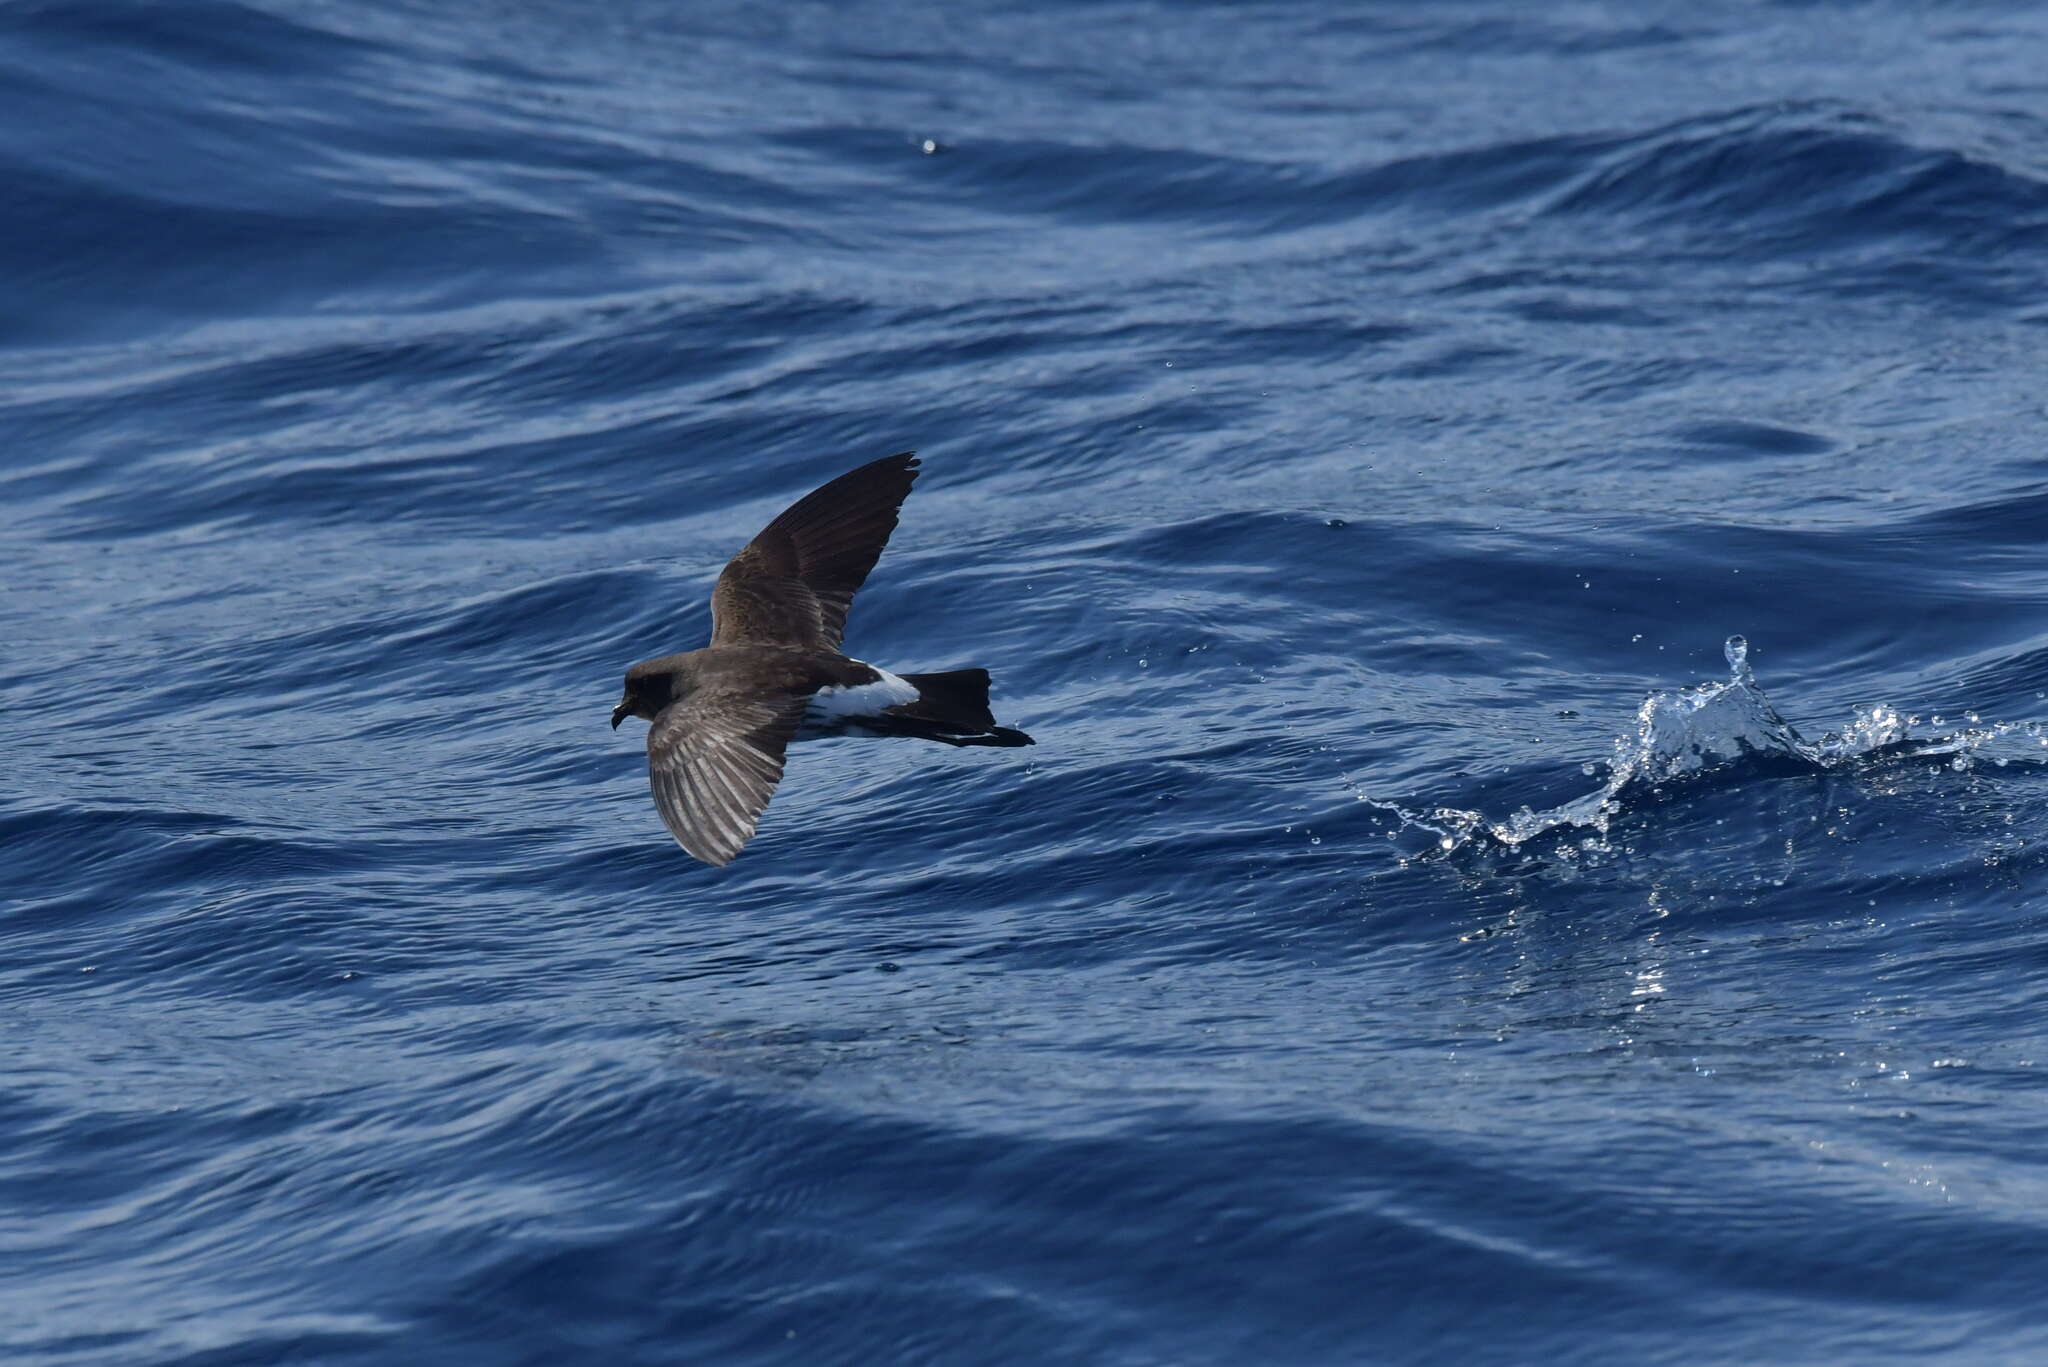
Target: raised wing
(793,583)
(713,760)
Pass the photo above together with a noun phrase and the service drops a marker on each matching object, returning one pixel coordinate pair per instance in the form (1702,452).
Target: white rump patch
(837,710)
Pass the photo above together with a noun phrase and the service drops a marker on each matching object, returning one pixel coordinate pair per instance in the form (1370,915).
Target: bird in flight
(773,673)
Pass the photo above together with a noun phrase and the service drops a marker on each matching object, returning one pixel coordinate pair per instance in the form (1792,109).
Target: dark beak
(620,713)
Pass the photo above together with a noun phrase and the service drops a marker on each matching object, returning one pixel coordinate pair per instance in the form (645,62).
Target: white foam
(1710,726)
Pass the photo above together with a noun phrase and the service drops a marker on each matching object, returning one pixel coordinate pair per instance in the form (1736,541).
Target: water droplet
(1737,650)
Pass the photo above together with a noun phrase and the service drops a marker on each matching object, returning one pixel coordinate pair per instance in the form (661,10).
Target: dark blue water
(1352,433)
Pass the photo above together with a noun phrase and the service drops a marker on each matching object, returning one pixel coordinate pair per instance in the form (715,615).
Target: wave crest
(1718,728)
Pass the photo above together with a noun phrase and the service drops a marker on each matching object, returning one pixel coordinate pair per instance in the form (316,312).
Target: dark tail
(958,699)
(951,707)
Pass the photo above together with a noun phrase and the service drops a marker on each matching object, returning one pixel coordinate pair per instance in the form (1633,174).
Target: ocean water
(1521,531)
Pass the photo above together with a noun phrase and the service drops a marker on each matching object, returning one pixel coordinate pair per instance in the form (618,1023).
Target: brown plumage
(792,584)
(773,674)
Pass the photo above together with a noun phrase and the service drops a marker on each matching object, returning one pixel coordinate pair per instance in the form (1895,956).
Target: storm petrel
(774,674)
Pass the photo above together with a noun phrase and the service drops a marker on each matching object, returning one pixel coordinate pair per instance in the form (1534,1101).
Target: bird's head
(650,686)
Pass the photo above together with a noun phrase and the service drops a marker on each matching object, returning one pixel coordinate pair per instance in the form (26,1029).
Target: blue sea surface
(1520,530)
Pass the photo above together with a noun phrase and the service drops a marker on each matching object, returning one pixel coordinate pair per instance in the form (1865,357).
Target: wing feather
(792,584)
(713,761)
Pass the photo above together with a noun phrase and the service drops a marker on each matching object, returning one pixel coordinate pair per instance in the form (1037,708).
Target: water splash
(1683,734)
